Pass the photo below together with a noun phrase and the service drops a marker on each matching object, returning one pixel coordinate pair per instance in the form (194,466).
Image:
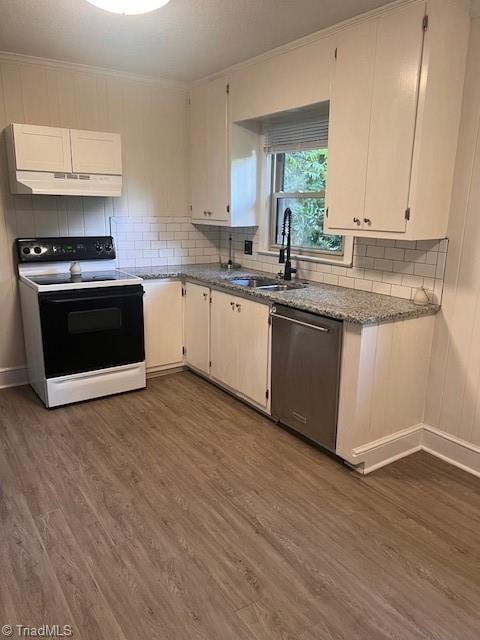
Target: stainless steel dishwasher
(306,352)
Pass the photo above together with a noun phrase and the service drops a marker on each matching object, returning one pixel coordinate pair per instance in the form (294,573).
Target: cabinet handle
(232,304)
(209,213)
(205,296)
(204,213)
(367,221)
(239,307)
(356,220)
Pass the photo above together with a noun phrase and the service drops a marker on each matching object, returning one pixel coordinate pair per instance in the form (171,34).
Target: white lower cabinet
(163,321)
(223,336)
(239,346)
(197,326)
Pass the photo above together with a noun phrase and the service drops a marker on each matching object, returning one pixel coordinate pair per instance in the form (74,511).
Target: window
(297,143)
(298,182)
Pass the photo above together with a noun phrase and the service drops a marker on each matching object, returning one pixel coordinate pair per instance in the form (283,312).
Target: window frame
(276,194)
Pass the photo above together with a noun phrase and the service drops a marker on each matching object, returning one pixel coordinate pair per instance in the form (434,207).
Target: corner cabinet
(394,118)
(224,160)
(239,346)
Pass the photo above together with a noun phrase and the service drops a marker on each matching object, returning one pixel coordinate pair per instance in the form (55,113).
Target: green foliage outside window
(305,172)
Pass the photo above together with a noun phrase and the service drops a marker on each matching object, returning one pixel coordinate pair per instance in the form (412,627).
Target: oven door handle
(120,296)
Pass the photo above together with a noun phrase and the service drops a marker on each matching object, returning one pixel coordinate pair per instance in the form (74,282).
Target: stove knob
(98,248)
(108,247)
(26,250)
(37,250)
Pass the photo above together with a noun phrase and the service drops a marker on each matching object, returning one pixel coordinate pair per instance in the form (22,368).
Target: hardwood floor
(179,513)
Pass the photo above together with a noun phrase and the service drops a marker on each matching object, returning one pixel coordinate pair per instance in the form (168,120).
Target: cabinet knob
(367,221)
(239,307)
(232,304)
(356,221)
(204,213)
(205,296)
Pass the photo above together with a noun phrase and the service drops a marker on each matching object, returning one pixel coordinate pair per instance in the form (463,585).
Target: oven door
(91,329)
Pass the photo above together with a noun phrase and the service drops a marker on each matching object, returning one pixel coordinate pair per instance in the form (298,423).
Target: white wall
(453,400)
(152,120)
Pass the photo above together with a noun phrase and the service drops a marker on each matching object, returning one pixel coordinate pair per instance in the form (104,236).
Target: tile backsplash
(391,267)
(161,241)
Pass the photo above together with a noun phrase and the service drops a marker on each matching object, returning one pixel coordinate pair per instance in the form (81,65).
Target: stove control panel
(65,249)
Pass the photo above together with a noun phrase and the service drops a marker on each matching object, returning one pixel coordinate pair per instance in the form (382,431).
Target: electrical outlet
(248,247)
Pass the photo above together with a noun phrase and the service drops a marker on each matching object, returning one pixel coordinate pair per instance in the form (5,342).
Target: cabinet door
(42,148)
(349,126)
(394,107)
(217,144)
(96,152)
(197,326)
(372,121)
(162,313)
(252,342)
(198,153)
(223,338)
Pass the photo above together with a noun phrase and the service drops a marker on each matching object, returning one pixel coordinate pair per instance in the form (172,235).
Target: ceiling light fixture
(129,7)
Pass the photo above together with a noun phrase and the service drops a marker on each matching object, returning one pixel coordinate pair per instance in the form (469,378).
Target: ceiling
(185,40)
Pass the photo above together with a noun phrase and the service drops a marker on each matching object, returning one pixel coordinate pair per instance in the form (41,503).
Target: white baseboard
(13,377)
(458,452)
(383,451)
(421,437)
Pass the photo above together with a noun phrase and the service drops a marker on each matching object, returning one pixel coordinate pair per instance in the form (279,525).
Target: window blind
(296,134)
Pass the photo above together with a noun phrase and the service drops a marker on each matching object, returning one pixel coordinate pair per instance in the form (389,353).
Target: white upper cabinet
(224,160)
(38,148)
(217,148)
(199,165)
(372,111)
(209,151)
(398,56)
(295,78)
(96,152)
(396,98)
(55,150)
(394,80)
(349,125)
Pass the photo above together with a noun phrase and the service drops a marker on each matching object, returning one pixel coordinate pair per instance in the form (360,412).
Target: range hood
(63,162)
(65,184)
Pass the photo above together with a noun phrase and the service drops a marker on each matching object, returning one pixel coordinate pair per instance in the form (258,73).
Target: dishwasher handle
(303,324)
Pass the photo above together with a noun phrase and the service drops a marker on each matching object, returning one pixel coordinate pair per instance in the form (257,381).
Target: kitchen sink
(266,284)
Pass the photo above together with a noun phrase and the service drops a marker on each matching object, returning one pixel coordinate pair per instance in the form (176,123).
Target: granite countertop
(361,307)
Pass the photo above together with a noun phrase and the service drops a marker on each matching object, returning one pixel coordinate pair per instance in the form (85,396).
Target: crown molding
(178,85)
(306,40)
(20,58)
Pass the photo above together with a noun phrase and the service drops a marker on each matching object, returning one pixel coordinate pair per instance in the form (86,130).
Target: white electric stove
(82,318)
